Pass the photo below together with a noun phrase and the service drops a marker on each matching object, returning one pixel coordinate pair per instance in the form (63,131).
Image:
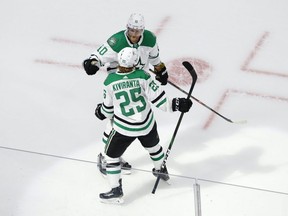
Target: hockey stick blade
(240,122)
(193,74)
(191,70)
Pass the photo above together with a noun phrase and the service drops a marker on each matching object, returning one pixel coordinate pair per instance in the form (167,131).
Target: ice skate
(101,164)
(114,196)
(164,175)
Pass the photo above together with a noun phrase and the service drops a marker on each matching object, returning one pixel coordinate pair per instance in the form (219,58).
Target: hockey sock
(157,155)
(113,171)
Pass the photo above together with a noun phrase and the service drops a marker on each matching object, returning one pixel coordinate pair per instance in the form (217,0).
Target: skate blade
(167,182)
(116,201)
(126,172)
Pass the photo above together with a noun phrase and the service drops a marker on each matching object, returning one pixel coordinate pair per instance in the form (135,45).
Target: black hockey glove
(181,104)
(98,113)
(161,73)
(90,66)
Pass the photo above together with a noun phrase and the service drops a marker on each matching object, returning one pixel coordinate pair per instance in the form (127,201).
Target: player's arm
(158,97)
(159,67)
(102,55)
(106,109)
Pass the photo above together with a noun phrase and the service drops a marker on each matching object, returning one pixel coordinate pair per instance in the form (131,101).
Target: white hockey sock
(157,155)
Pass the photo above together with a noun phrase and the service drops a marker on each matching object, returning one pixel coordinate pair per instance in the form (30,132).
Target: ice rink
(50,138)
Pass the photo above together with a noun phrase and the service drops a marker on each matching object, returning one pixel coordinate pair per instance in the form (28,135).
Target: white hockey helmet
(128,57)
(136,21)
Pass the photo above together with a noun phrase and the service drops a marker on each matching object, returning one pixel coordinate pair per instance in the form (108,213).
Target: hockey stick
(192,72)
(203,104)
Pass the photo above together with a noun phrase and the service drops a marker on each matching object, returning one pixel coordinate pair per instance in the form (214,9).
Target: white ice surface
(47,106)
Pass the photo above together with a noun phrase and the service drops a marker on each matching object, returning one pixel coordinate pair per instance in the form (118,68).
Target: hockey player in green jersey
(135,35)
(127,99)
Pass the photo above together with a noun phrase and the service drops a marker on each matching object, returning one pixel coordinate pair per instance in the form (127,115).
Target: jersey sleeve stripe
(161,102)
(154,57)
(158,98)
(108,111)
(108,107)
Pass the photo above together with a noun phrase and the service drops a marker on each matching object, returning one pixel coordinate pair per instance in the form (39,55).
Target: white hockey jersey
(127,99)
(147,47)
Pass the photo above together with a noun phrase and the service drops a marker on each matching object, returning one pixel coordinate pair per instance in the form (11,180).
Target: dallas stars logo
(112,41)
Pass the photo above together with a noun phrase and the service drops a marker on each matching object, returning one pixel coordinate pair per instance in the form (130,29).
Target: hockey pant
(118,144)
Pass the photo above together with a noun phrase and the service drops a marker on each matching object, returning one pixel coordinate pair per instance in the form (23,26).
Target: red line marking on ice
(267,73)
(217,108)
(239,92)
(162,24)
(51,62)
(272,97)
(255,51)
(258,46)
(68,41)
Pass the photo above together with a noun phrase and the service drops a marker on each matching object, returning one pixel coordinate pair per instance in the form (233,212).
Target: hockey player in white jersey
(128,95)
(135,35)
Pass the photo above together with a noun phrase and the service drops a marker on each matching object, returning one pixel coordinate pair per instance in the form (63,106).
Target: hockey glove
(90,66)
(161,73)
(98,113)
(181,104)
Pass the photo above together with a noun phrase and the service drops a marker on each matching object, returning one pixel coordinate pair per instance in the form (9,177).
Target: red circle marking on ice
(179,75)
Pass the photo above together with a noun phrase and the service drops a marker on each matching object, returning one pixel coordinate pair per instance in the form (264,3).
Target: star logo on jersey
(140,65)
(112,41)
